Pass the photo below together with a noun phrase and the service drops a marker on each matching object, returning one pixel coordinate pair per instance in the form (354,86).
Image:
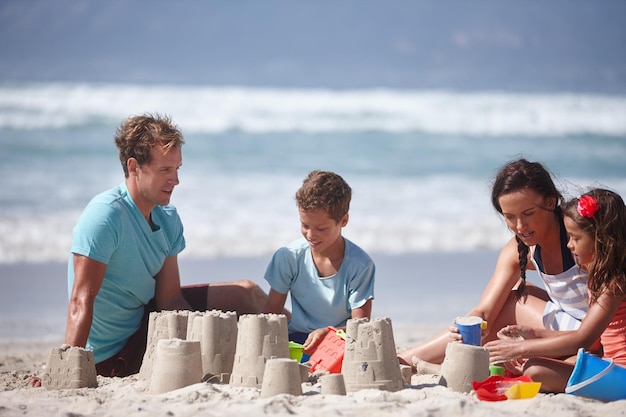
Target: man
(124,256)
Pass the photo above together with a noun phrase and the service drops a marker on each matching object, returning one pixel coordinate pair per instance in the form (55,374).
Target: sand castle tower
(177,364)
(217,333)
(464,364)
(162,325)
(70,367)
(261,337)
(370,360)
(281,376)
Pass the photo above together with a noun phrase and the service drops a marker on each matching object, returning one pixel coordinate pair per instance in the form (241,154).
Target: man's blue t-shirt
(113,231)
(319,302)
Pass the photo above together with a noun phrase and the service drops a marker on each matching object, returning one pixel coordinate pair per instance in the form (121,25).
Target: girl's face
(581,243)
(528,214)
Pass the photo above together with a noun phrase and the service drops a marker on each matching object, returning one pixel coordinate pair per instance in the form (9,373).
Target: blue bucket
(597,378)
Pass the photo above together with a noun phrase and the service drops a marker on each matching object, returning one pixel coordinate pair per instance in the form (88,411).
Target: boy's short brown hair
(324,190)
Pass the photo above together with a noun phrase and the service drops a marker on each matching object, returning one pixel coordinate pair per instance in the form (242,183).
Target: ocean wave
(244,216)
(206,109)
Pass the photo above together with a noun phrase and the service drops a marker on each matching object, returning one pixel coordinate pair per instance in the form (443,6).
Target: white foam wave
(239,215)
(261,110)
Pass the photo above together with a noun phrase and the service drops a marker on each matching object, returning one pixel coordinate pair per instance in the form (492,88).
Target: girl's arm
(560,344)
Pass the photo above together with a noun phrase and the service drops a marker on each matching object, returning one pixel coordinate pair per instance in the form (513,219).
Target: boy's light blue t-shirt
(113,231)
(320,302)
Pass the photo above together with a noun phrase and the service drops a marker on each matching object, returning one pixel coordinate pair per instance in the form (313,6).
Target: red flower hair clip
(587,206)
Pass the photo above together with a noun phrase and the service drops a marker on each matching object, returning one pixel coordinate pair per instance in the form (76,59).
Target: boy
(330,278)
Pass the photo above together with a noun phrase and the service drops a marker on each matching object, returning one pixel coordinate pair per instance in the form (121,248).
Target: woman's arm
(499,289)
(495,296)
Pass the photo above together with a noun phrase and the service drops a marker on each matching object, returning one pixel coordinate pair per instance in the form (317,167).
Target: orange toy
(329,353)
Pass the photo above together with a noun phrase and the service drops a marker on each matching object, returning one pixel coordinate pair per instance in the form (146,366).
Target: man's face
(156,180)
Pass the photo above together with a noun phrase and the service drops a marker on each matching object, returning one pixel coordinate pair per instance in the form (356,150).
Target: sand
(409,289)
(131,397)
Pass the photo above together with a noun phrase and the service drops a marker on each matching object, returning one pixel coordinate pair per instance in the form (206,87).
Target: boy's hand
(315,337)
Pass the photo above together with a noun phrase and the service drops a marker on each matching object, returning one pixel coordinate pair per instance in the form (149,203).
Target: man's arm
(88,277)
(168,295)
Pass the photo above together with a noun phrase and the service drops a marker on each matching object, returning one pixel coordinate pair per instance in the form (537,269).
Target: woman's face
(580,242)
(528,214)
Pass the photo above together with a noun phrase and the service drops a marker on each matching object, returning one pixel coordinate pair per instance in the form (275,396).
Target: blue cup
(470,328)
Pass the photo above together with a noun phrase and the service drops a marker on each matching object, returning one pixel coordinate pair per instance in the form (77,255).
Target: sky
(519,45)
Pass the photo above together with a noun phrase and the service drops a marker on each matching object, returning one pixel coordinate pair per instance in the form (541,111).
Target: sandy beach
(408,286)
(131,397)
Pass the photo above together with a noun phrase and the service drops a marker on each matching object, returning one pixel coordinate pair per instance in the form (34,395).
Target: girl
(524,193)
(596,226)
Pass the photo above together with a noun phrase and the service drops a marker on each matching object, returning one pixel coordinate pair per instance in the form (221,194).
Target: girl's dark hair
(515,176)
(607,226)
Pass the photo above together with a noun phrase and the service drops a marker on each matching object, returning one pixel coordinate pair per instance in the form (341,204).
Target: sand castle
(177,363)
(217,333)
(464,364)
(162,325)
(261,337)
(370,359)
(184,347)
(70,367)
(281,376)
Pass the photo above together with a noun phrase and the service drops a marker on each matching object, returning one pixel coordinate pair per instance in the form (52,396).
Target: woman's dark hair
(519,175)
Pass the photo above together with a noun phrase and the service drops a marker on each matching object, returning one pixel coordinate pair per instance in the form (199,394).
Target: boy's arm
(365,311)
(275,302)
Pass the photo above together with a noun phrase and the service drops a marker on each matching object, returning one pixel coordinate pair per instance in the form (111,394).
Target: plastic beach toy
(522,390)
(500,388)
(470,328)
(328,355)
(597,378)
(295,351)
(496,370)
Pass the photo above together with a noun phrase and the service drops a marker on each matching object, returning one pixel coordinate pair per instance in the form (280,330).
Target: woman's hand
(454,334)
(315,337)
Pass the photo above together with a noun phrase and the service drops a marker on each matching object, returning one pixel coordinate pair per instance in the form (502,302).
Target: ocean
(420,162)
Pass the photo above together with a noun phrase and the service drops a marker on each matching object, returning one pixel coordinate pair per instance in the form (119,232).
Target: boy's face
(320,230)
(580,242)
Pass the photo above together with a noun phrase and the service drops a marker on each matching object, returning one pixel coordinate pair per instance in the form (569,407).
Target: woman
(596,225)
(524,193)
